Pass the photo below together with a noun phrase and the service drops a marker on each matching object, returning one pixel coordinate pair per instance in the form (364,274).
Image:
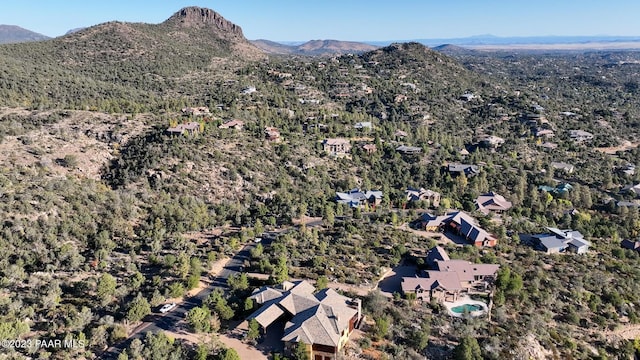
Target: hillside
(123,63)
(15,34)
(110,212)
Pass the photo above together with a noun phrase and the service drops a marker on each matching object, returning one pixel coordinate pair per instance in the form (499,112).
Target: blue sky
(357,20)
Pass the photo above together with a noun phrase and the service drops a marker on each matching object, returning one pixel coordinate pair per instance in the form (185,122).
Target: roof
(182,127)
(408,149)
(415,194)
(628,244)
(465,270)
(232,123)
(356,195)
(336,141)
(315,319)
(264,294)
(362,125)
(467,169)
(492,202)
(267,313)
(436,253)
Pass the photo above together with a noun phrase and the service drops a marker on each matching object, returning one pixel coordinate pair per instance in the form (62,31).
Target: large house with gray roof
(322,320)
(356,198)
(558,241)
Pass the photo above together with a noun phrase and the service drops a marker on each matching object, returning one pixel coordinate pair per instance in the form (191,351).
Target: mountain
(124,62)
(15,34)
(314,47)
(453,50)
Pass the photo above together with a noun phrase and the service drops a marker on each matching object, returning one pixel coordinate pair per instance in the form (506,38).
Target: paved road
(158,322)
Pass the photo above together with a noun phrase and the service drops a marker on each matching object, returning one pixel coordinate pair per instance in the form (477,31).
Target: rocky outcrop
(203,17)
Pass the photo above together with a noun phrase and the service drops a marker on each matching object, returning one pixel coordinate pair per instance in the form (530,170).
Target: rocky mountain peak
(202,17)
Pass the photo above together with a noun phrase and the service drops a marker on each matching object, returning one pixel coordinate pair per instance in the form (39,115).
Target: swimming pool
(466,308)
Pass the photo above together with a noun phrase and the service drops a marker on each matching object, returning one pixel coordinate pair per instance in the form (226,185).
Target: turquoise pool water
(466,308)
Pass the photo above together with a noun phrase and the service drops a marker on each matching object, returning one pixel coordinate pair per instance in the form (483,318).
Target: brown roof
(466,270)
(492,202)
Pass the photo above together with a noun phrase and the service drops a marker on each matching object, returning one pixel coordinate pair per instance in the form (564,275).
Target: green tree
(199,319)
(254,330)
(322,282)
(106,288)
(238,282)
(230,354)
(138,309)
(468,349)
(300,352)
(382,327)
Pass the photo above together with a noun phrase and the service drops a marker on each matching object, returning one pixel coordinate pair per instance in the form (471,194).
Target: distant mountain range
(15,34)
(528,40)
(314,47)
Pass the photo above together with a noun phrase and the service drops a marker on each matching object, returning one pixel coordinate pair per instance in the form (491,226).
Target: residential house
(190,128)
(363,125)
(491,141)
(628,169)
(399,134)
(631,245)
(338,146)
(632,189)
(369,148)
(322,320)
(408,150)
(567,168)
(356,198)
(467,96)
(559,241)
(195,111)
(580,135)
(541,132)
(463,169)
(272,134)
(461,224)
(431,197)
(450,279)
(233,124)
(562,188)
(492,202)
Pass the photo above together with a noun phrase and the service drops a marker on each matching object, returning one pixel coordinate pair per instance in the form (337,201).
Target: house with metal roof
(559,241)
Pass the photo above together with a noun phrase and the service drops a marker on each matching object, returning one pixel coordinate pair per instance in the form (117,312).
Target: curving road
(158,322)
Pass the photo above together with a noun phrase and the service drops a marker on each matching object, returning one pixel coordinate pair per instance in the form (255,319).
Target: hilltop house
(363,125)
(463,169)
(191,128)
(369,148)
(633,189)
(580,135)
(562,166)
(449,279)
(562,188)
(336,146)
(558,241)
(195,111)
(233,124)
(356,198)
(408,150)
(491,141)
(461,224)
(322,321)
(431,197)
(492,202)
